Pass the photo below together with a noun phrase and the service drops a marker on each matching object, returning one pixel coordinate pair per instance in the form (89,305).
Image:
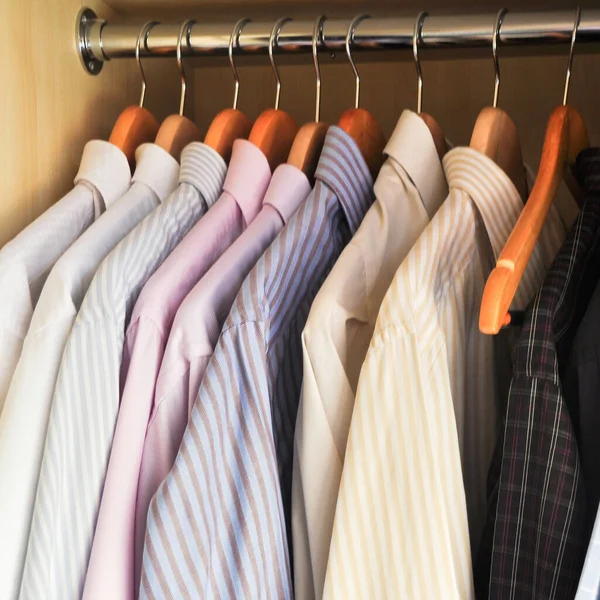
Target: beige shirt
(413,492)
(409,190)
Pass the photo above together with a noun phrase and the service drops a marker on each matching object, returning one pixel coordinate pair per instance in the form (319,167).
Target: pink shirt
(196,330)
(112,571)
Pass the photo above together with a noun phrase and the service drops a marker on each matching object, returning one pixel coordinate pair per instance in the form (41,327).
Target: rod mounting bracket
(91,64)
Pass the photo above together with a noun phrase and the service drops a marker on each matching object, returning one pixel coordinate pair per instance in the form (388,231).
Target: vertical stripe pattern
(86,398)
(538,523)
(412,494)
(219,525)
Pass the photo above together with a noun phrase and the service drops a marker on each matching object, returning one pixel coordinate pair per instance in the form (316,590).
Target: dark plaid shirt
(537,530)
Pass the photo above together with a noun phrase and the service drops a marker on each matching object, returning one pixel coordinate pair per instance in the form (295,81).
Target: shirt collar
(105,167)
(411,149)
(342,168)
(247,178)
(489,187)
(205,169)
(157,169)
(288,188)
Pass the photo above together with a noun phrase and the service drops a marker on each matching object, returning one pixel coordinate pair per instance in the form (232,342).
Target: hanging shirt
(111,569)
(425,417)
(409,190)
(539,523)
(196,330)
(233,471)
(24,421)
(86,398)
(589,584)
(25,262)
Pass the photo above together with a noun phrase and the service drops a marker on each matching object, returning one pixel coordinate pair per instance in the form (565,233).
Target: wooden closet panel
(50,107)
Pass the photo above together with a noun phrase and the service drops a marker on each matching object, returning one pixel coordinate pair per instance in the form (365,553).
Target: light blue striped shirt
(217,525)
(86,397)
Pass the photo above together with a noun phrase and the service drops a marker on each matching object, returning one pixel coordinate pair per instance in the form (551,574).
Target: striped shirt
(409,189)
(218,526)
(26,261)
(24,421)
(540,520)
(414,480)
(86,398)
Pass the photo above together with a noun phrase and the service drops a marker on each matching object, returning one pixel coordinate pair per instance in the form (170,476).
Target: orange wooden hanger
(309,140)
(495,134)
(230,124)
(177,131)
(359,123)
(136,125)
(566,136)
(439,139)
(274,130)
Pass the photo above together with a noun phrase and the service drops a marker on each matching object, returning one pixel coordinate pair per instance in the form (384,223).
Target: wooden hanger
(359,123)
(230,124)
(274,130)
(309,140)
(177,131)
(136,125)
(566,137)
(495,134)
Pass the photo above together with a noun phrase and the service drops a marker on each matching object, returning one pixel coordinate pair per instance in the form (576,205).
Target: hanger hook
(497,25)
(272,42)
(349,41)
(144,33)
(417,37)
(235,37)
(317,36)
(573,38)
(185,29)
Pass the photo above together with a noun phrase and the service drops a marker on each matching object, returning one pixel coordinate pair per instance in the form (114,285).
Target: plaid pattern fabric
(537,529)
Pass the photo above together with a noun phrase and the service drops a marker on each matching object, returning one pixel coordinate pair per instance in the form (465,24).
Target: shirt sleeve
(400,528)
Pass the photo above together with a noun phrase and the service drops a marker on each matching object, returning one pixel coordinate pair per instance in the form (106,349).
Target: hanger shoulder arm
(307,147)
(175,133)
(228,126)
(273,133)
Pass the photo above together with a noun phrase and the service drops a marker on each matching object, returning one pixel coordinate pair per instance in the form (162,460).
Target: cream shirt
(409,190)
(413,492)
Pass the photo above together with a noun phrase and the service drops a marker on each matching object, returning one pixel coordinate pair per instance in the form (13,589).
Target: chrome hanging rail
(99,41)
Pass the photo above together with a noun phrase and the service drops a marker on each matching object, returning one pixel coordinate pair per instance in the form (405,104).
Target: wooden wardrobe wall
(51,107)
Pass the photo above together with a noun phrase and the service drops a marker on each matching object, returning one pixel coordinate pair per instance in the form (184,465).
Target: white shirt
(413,492)
(409,190)
(24,421)
(25,261)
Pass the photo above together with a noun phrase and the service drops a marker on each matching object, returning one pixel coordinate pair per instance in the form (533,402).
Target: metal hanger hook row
(349,41)
(317,37)
(234,38)
(497,25)
(185,30)
(144,33)
(571,51)
(417,37)
(272,43)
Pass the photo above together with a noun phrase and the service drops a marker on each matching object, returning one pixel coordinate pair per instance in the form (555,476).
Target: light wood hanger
(136,125)
(439,139)
(566,136)
(230,124)
(274,130)
(359,123)
(309,140)
(177,131)
(495,134)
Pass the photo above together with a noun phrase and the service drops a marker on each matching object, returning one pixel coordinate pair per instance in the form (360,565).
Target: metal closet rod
(99,41)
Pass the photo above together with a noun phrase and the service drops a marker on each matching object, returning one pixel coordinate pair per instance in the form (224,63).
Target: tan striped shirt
(413,492)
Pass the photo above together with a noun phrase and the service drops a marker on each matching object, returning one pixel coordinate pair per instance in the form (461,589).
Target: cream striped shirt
(413,492)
